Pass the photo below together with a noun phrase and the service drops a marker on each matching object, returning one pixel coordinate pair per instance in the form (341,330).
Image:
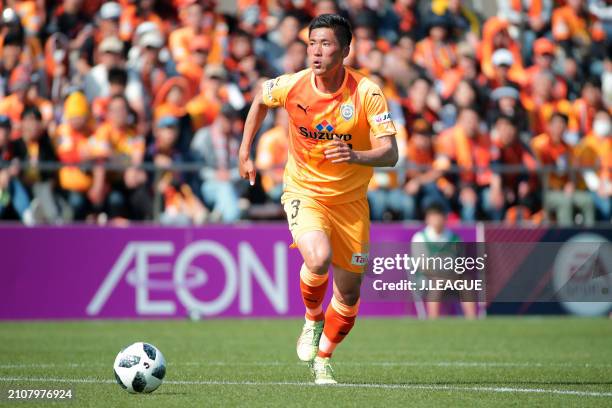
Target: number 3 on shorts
(295,204)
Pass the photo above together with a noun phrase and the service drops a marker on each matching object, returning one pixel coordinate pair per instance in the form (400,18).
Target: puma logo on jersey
(305,109)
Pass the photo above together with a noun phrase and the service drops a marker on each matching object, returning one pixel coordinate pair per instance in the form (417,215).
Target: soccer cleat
(322,371)
(308,342)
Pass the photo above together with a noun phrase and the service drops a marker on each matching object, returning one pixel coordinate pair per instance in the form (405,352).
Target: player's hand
(339,152)
(247,167)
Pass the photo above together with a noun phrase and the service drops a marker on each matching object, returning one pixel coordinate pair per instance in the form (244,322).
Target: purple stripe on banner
(157,272)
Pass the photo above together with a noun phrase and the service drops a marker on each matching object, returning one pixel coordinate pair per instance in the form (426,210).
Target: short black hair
(557,114)
(505,118)
(435,207)
(117,75)
(31,110)
(339,24)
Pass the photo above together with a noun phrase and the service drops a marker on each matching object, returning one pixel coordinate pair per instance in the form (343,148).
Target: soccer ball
(140,368)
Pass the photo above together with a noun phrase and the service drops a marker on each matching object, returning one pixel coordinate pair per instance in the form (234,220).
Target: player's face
(325,52)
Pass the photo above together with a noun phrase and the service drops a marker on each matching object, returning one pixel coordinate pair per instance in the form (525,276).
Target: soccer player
(339,129)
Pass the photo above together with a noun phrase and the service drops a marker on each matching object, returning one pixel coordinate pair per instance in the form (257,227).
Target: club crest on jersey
(347,111)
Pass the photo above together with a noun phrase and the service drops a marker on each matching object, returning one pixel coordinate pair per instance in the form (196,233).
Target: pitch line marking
(346,363)
(341,385)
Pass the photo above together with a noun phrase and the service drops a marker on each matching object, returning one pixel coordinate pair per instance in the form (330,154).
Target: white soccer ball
(140,368)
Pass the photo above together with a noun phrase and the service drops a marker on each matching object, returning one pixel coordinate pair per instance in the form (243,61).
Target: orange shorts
(346,225)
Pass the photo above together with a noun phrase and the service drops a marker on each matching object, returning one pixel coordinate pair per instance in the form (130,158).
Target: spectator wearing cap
(116,141)
(107,26)
(152,70)
(13,195)
(35,147)
(560,193)
(503,74)
(540,105)
(532,17)
(506,102)
(495,36)
(515,190)
(544,57)
(72,146)
(137,13)
(466,147)
(435,52)
(595,152)
(180,205)
(423,175)
(217,147)
(589,103)
(96,81)
(271,156)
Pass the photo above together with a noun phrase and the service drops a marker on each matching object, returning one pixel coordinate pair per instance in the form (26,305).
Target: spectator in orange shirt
(192,16)
(193,67)
(117,82)
(518,188)
(135,14)
(271,156)
(540,105)
(506,102)
(544,56)
(467,69)
(435,52)
(585,108)
(465,147)
(595,150)
(560,195)
(570,27)
(117,142)
(420,102)
(421,182)
(496,36)
(72,147)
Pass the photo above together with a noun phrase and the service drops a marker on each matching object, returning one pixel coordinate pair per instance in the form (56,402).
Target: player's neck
(331,82)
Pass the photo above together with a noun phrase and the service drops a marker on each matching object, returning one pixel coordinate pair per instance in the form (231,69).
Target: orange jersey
(352,114)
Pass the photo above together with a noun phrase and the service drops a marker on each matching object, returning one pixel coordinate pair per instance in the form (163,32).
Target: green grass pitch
(384,362)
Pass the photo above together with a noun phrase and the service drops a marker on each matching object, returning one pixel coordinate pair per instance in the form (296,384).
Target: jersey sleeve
(274,91)
(377,111)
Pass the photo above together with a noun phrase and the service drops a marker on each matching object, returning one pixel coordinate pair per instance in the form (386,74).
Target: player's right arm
(256,115)
(272,94)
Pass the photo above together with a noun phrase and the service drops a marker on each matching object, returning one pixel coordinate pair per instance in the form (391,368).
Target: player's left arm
(384,151)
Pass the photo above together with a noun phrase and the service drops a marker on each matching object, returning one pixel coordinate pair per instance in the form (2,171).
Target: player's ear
(346,51)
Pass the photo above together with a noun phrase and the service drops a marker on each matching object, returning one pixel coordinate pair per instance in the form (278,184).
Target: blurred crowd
(134,110)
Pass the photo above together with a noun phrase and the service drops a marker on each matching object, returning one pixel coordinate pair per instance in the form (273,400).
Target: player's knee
(317,260)
(348,297)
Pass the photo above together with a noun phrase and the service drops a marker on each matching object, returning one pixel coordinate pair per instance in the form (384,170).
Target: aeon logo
(240,273)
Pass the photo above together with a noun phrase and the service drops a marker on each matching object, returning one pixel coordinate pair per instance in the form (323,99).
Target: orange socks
(313,289)
(339,320)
